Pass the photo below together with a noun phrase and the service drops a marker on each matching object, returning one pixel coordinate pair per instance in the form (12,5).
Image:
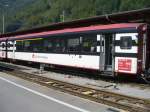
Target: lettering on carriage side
(124,64)
(37,56)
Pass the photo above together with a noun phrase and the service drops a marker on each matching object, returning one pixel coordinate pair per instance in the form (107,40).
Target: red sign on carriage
(124,64)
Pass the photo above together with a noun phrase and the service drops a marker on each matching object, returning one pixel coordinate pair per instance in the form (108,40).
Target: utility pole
(3,17)
(62,16)
(3,23)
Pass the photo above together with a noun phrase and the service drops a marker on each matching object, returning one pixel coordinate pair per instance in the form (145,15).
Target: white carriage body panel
(126,65)
(134,35)
(2,54)
(10,55)
(83,61)
(134,49)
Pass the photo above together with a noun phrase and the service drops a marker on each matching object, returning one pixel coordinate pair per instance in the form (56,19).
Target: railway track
(131,104)
(95,76)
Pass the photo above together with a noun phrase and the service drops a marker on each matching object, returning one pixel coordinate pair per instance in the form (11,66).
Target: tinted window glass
(3,45)
(19,45)
(37,45)
(126,42)
(48,45)
(28,46)
(60,45)
(89,44)
(73,44)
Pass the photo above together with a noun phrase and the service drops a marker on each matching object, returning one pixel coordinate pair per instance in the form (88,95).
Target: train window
(3,45)
(8,45)
(73,45)
(28,46)
(48,45)
(19,45)
(126,42)
(37,45)
(59,45)
(89,44)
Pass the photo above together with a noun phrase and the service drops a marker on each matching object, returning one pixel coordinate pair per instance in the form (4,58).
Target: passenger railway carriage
(112,49)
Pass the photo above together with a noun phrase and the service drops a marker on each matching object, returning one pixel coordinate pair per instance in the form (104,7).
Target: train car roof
(141,15)
(3,39)
(79,30)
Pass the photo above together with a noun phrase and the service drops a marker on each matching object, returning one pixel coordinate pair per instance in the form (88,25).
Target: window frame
(77,47)
(93,41)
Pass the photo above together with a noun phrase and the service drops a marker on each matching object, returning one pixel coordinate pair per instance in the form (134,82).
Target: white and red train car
(113,48)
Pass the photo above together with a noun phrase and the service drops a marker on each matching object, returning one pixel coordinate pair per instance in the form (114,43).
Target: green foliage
(34,13)
(134,4)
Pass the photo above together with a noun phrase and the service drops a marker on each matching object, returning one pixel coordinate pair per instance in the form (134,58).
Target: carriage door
(101,49)
(3,49)
(14,48)
(106,49)
(11,49)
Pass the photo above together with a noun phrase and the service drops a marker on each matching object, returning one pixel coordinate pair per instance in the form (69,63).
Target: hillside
(32,13)
(9,8)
